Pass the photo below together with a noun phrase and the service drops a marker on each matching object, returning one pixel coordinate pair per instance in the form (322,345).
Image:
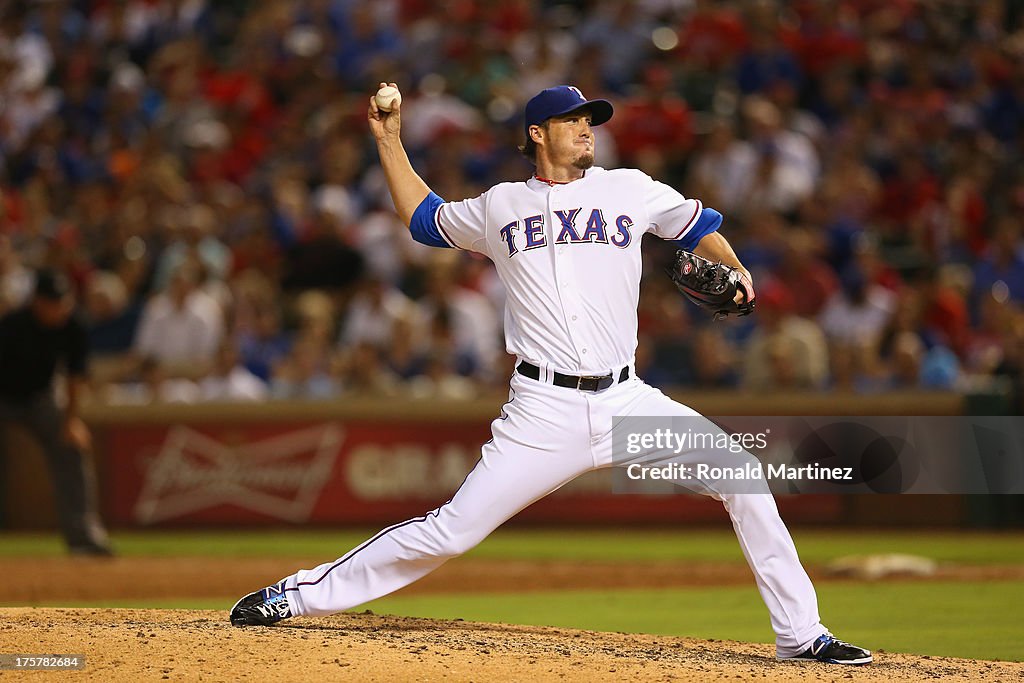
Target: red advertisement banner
(347,472)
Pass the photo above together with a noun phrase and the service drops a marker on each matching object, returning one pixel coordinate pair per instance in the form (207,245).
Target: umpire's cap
(563,99)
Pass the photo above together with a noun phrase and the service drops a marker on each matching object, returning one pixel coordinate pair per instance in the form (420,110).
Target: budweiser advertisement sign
(280,476)
(350,472)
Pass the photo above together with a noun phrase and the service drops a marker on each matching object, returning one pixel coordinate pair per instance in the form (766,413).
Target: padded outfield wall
(371,462)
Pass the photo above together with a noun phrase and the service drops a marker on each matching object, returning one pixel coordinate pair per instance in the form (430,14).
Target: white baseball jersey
(569,255)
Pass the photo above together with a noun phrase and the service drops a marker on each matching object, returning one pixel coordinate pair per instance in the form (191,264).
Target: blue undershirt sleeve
(707,223)
(423,226)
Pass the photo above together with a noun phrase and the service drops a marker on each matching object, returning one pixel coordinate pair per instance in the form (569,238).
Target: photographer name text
(746,472)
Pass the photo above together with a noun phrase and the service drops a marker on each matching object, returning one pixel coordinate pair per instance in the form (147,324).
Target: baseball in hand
(386,96)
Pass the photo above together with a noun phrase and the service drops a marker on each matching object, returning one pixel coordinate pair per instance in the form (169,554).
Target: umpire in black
(35,341)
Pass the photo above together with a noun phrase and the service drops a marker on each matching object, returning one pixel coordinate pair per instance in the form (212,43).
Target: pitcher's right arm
(407,188)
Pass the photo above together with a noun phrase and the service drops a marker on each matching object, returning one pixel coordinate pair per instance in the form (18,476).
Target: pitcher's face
(569,140)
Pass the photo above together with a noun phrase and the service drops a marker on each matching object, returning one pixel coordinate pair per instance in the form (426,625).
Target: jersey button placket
(564,276)
(571,302)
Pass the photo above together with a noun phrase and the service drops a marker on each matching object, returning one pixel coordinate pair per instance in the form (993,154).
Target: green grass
(625,545)
(284,543)
(935,618)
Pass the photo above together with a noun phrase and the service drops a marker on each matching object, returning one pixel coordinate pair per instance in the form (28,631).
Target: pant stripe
(352,554)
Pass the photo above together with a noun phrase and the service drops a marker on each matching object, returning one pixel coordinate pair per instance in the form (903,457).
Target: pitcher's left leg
(786,589)
(766,543)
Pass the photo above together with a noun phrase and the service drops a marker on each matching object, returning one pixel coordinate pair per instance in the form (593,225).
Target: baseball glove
(712,286)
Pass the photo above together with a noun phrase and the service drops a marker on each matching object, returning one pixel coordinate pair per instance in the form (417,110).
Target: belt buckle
(596,379)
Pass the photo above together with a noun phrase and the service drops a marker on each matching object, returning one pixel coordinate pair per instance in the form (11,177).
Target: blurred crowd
(203,172)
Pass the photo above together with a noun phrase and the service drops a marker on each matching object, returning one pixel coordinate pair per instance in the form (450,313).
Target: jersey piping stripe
(440,228)
(696,212)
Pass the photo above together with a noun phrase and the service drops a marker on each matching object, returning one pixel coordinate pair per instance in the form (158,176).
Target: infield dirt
(144,645)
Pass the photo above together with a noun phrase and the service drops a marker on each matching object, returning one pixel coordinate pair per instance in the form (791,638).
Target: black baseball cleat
(831,650)
(265,607)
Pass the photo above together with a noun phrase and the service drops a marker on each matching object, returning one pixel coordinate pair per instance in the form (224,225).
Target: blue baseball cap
(563,99)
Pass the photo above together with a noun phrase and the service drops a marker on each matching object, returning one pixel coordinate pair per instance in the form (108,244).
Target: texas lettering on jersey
(569,256)
(528,233)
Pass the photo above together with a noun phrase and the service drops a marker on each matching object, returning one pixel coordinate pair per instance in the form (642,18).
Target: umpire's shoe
(831,650)
(265,607)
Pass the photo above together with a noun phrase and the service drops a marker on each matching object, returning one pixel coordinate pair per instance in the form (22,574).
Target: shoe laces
(841,643)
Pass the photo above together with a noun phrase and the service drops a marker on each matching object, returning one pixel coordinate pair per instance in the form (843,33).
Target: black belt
(571,381)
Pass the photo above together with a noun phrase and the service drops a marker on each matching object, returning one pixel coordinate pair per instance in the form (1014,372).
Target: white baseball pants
(546,437)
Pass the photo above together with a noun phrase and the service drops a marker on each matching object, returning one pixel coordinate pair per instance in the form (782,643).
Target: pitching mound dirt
(142,645)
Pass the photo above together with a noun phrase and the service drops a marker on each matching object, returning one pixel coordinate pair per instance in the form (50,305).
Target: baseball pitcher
(566,244)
